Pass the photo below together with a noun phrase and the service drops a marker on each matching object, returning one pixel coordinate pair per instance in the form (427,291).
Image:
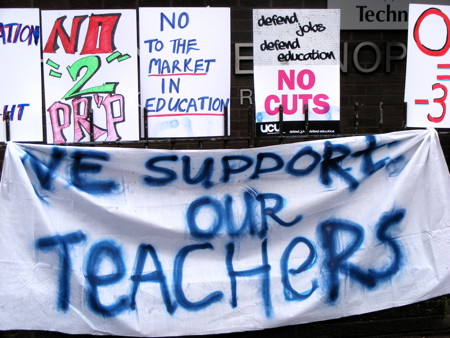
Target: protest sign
(428,66)
(185,70)
(20,63)
(162,243)
(296,69)
(90,75)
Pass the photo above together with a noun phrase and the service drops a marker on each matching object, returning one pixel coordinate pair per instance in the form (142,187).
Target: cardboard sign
(185,70)
(296,69)
(428,66)
(90,75)
(138,242)
(20,63)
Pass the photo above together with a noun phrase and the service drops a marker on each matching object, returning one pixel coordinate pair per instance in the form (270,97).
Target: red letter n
(69,43)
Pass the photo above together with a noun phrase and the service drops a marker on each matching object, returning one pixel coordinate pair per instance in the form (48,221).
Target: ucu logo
(269,128)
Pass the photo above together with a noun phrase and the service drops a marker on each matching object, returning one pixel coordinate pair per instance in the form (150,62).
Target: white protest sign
(146,242)
(185,70)
(296,65)
(90,68)
(428,66)
(20,63)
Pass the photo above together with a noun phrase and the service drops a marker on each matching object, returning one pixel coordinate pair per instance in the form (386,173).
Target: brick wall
(363,92)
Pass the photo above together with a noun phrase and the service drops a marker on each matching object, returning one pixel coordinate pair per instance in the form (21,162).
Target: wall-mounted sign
(90,75)
(185,70)
(378,14)
(20,84)
(428,67)
(296,70)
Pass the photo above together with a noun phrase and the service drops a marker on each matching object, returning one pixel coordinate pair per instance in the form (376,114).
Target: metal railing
(251,139)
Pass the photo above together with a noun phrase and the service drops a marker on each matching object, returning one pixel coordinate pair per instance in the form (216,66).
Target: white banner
(185,70)
(162,243)
(20,65)
(428,66)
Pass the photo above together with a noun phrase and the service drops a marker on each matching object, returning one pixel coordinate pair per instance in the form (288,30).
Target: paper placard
(185,71)
(428,66)
(90,68)
(296,69)
(20,87)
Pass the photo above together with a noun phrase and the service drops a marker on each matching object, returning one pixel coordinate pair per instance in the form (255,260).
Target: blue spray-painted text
(329,165)
(335,264)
